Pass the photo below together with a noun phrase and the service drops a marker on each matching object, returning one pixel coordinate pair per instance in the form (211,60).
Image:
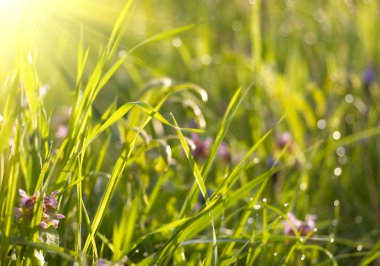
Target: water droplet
(303,186)
(334,222)
(336,203)
(332,240)
(321,124)
(145,254)
(303,257)
(264,199)
(122,53)
(340,151)
(237,25)
(349,98)
(337,135)
(285,29)
(315,230)
(338,171)
(359,248)
(310,38)
(137,251)
(177,42)
(343,160)
(320,15)
(167,82)
(275,254)
(257,207)
(256,160)
(350,119)
(286,204)
(206,59)
(250,220)
(301,239)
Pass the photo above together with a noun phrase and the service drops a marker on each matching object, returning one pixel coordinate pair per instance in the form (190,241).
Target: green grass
(105,101)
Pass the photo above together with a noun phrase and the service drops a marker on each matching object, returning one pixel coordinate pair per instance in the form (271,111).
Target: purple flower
(304,228)
(49,206)
(28,201)
(59,216)
(224,152)
(201,147)
(26,204)
(283,140)
(61,122)
(44,225)
(369,76)
(50,203)
(62,131)
(18,213)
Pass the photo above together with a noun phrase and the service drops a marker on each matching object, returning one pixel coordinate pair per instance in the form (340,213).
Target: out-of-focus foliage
(190,132)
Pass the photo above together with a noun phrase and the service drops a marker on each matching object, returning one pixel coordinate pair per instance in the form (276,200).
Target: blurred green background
(314,63)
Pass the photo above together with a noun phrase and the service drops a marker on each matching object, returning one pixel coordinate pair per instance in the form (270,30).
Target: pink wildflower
(304,228)
(49,206)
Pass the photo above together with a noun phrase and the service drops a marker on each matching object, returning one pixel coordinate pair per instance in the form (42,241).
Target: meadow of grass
(174,132)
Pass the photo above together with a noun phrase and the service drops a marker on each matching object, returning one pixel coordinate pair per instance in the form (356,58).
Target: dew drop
(340,151)
(359,248)
(349,98)
(310,38)
(286,204)
(315,230)
(303,257)
(338,171)
(167,82)
(250,220)
(137,251)
(237,25)
(301,239)
(336,203)
(177,42)
(206,59)
(332,240)
(321,124)
(264,200)
(122,53)
(337,135)
(303,186)
(145,254)
(257,207)
(285,29)
(275,254)
(343,160)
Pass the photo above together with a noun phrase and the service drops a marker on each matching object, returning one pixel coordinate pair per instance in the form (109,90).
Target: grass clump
(189,133)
